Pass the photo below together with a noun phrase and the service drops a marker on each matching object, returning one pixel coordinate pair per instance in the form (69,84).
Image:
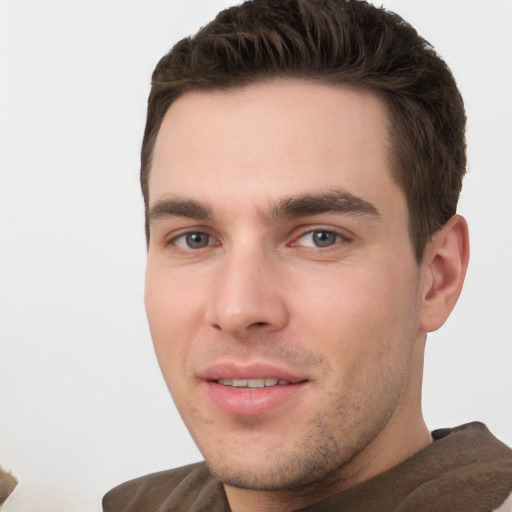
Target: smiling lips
(248,392)
(253,383)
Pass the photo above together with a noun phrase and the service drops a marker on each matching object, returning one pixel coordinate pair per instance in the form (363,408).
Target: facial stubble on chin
(322,459)
(314,465)
(306,468)
(320,462)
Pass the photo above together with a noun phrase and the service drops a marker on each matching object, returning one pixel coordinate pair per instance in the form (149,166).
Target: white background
(82,403)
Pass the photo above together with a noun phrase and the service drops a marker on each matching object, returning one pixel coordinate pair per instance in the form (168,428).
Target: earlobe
(443,272)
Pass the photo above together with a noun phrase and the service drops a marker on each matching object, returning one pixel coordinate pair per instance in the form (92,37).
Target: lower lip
(251,402)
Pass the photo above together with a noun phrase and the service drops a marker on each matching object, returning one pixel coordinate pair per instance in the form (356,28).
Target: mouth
(266,382)
(252,390)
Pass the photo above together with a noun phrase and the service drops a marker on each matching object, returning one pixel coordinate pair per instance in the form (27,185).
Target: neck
(404,435)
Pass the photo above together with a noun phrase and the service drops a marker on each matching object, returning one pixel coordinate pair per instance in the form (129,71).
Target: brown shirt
(466,469)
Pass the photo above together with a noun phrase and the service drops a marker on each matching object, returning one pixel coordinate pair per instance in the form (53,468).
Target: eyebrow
(177,207)
(335,201)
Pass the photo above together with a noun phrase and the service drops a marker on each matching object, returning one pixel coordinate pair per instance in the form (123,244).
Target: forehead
(271,139)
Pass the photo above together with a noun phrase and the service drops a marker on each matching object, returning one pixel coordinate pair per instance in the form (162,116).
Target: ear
(443,270)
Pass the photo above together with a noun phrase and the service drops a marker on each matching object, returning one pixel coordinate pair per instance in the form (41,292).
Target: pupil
(197,240)
(323,238)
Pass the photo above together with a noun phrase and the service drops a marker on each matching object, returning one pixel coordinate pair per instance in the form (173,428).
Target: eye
(194,240)
(319,238)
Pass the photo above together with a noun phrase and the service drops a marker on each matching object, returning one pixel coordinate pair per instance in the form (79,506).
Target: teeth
(253,383)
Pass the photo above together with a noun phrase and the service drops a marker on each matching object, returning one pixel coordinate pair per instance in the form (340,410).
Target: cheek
(364,317)
(174,312)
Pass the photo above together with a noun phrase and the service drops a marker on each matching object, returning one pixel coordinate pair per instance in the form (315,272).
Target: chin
(300,469)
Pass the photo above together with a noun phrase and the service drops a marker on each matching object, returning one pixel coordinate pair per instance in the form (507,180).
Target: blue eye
(195,240)
(320,238)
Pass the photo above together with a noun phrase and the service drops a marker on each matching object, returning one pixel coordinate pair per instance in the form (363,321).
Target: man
(301,166)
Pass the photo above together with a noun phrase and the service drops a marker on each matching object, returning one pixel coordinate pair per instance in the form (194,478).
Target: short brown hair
(334,42)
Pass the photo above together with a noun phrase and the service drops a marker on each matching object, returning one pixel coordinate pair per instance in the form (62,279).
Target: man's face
(282,291)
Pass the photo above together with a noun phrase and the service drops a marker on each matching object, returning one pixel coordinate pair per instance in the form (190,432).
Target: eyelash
(339,237)
(184,236)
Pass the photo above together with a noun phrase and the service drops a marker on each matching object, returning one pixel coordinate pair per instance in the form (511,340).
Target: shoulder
(182,487)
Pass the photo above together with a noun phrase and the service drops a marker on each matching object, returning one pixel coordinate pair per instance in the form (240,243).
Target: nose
(248,295)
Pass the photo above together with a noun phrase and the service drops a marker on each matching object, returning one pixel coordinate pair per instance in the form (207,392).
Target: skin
(252,285)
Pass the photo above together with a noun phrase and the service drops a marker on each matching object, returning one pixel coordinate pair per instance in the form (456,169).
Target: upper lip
(232,370)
